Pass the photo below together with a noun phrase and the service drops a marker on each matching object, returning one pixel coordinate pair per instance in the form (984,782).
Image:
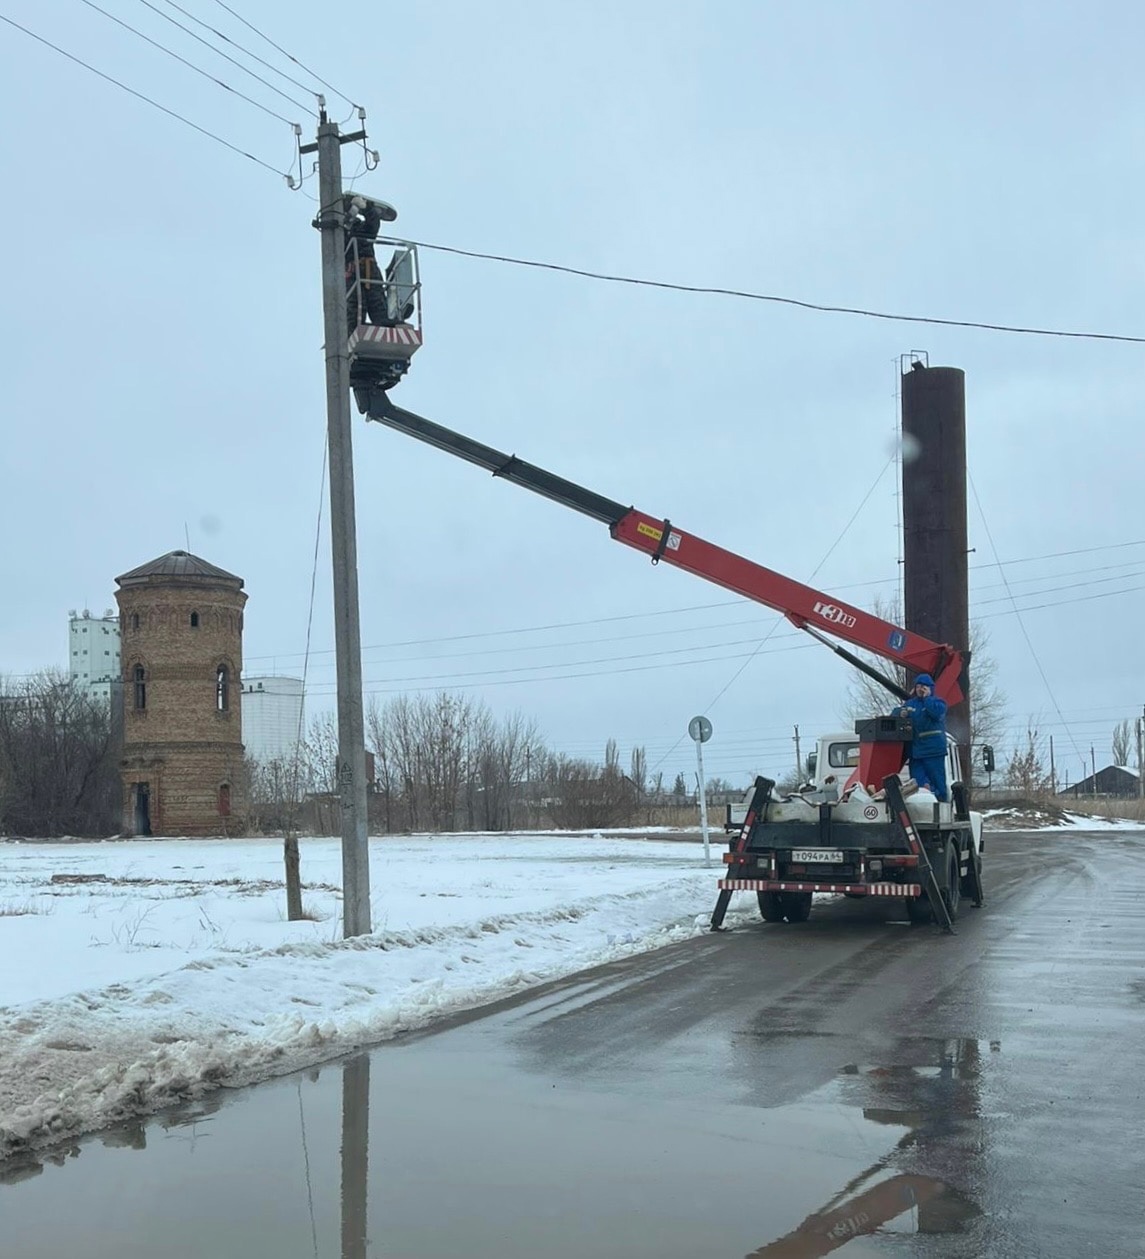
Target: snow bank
(133,975)
(1054,818)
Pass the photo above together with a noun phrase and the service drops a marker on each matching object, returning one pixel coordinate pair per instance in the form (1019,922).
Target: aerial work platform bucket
(380,351)
(883,744)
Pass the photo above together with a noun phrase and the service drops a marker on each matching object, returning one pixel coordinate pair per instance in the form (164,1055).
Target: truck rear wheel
(785,906)
(918,910)
(970,885)
(771,906)
(797,906)
(952,892)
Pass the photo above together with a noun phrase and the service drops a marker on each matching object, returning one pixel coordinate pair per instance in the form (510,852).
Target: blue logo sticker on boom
(897,640)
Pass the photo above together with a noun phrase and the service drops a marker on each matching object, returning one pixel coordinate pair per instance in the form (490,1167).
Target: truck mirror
(988,758)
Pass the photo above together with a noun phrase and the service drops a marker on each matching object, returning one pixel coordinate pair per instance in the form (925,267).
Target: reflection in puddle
(934,1090)
(934,1208)
(500,1166)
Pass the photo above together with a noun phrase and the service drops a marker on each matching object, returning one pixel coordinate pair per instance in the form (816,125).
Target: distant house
(1113,780)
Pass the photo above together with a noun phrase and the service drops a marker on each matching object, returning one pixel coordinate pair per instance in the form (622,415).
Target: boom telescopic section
(819,614)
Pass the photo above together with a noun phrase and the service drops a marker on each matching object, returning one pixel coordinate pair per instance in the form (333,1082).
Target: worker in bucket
(927,757)
(365,284)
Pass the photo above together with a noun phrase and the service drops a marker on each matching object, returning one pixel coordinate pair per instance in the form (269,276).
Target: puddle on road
(409,1152)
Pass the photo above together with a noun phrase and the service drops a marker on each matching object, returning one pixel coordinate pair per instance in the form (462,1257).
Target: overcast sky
(163,375)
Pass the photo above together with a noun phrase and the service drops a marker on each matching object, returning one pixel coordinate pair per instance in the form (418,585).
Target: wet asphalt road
(851,1085)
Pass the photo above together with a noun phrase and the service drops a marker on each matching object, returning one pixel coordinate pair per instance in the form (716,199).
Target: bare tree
(866,698)
(320,777)
(584,794)
(445,762)
(59,772)
(638,776)
(1027,771)
(1123,740)
(517,739)
(443,724)
(276,790)
(380,740)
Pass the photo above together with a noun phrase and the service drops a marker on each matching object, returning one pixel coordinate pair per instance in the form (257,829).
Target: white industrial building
(93,652)
(272,718)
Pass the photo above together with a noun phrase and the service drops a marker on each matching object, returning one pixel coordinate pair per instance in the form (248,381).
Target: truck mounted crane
(860,831)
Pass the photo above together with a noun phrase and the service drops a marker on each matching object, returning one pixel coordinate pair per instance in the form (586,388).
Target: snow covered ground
(1031,817)
(138,973)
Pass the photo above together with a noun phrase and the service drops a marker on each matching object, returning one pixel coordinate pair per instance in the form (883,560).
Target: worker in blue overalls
(927,755)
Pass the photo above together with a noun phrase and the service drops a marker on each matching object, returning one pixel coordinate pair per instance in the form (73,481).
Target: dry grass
(23,909)
(1130,809)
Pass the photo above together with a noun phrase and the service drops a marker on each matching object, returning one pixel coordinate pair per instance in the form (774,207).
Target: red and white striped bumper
(856,889)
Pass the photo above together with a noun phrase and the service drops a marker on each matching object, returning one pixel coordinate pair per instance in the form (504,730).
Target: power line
(492,674)
(577,664)
(1054,555)
(659,613)
(716,291)
(278,48)
(189,64)
(763,642)
(297,765)
(658,634)
(227,57)
(241,48)
(1018,614)
(527,629)
(140,96)
(1073,585)
(1061,603)
(830,551)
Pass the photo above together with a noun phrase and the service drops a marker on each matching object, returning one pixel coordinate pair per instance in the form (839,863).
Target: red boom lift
(825,618)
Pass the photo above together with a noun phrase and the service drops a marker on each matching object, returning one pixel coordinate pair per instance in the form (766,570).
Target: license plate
(817,856)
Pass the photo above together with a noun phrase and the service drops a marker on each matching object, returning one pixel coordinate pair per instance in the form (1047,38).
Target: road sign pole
(703,803)
(700,728)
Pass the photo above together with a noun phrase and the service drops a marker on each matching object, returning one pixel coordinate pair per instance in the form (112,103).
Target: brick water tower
(181,623)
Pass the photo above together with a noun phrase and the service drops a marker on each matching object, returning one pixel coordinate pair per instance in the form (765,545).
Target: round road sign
(700,729)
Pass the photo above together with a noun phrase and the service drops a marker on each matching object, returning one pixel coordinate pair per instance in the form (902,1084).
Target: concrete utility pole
(798,757)
(1141,754)
(355,1157)
(343,534)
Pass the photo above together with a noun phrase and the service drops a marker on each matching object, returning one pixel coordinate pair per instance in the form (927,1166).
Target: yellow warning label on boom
(650,531)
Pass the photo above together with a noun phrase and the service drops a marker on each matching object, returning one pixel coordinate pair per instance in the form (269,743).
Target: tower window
(222,688)
(225,800)
(139,677)
(135,620)
(194,620)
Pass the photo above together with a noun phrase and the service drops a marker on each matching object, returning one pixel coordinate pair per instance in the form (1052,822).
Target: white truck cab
(835,834)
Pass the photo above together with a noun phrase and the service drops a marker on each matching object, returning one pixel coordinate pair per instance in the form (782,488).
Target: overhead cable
(241,48)
(1018,614)
(227,57)
(234,148)
(718,291)
(278,48)
(189,64)
(767,637)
